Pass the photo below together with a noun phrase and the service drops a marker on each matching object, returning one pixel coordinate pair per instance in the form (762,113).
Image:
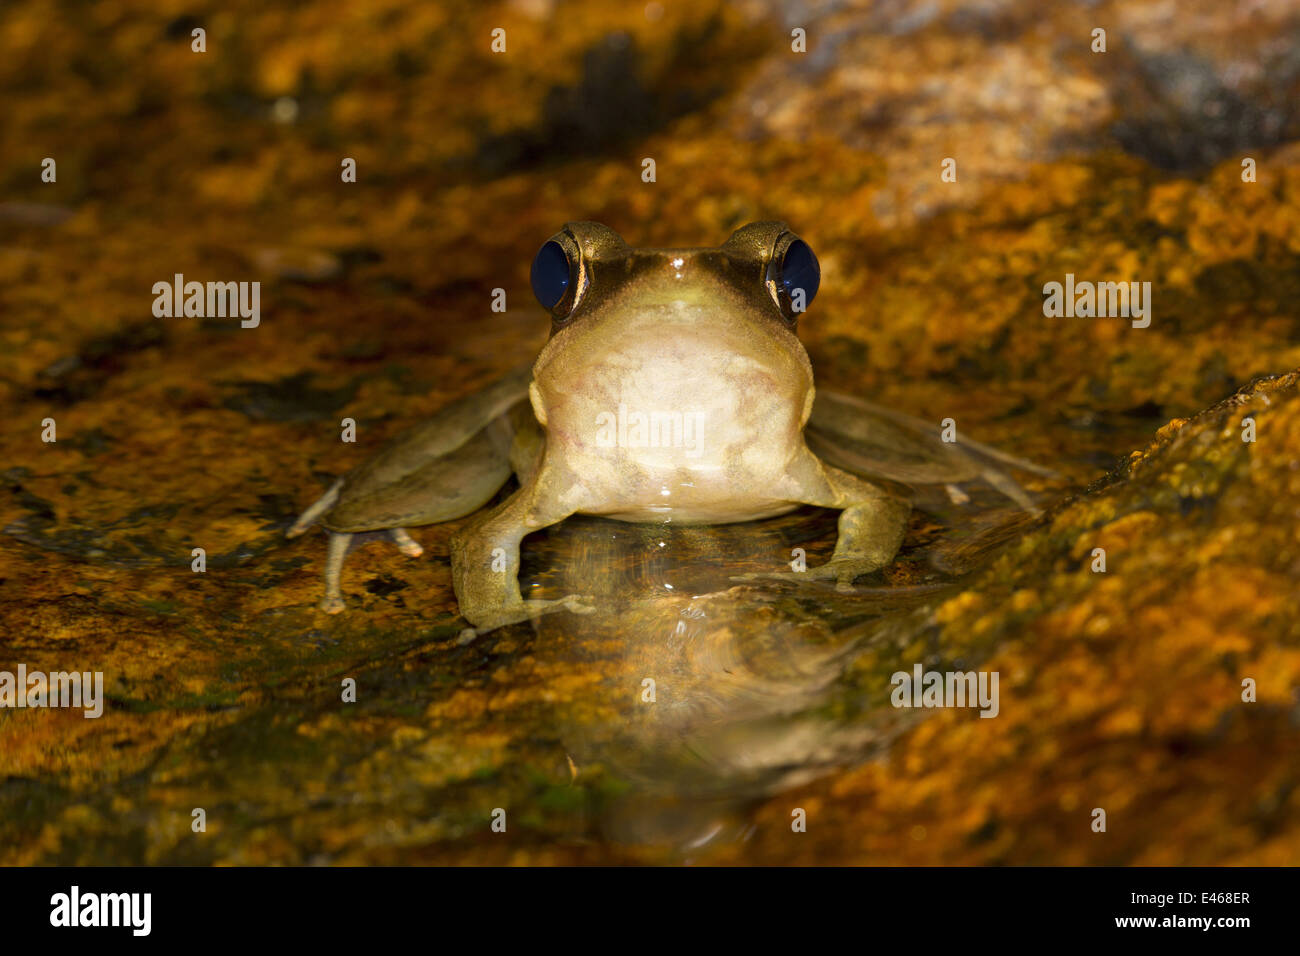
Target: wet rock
(298,265)
(291,399)
(1121,690)
(34,214)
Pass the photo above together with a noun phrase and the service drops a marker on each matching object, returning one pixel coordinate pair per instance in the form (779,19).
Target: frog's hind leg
(340,543)
(444,468)
(332,602)
(872,441)
(339,546)
(1004,483)
(309,517)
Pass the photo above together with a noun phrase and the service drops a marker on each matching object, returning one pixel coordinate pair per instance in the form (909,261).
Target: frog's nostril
(550,274)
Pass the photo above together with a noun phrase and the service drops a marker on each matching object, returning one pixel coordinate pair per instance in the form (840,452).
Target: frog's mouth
(678,338)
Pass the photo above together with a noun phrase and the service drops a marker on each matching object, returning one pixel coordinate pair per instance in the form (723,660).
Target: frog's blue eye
(550,274)
(799,270)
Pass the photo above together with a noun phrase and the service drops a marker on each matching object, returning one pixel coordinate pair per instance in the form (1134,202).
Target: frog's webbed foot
(871,526)
(405,543)
(524,611)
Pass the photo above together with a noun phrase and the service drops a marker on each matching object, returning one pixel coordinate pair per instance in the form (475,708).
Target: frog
(673,388)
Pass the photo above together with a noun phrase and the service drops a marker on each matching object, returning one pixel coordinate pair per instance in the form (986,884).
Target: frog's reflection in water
(706,695)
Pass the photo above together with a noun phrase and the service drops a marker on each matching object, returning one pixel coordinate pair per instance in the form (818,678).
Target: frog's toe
(956,494)
(332,604)
(405,543)
(578,603)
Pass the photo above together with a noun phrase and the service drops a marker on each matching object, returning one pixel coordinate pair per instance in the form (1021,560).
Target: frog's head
(709,331)
(760,279)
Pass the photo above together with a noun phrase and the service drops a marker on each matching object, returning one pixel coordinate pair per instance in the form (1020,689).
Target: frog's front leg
(871,526)
(485,556)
